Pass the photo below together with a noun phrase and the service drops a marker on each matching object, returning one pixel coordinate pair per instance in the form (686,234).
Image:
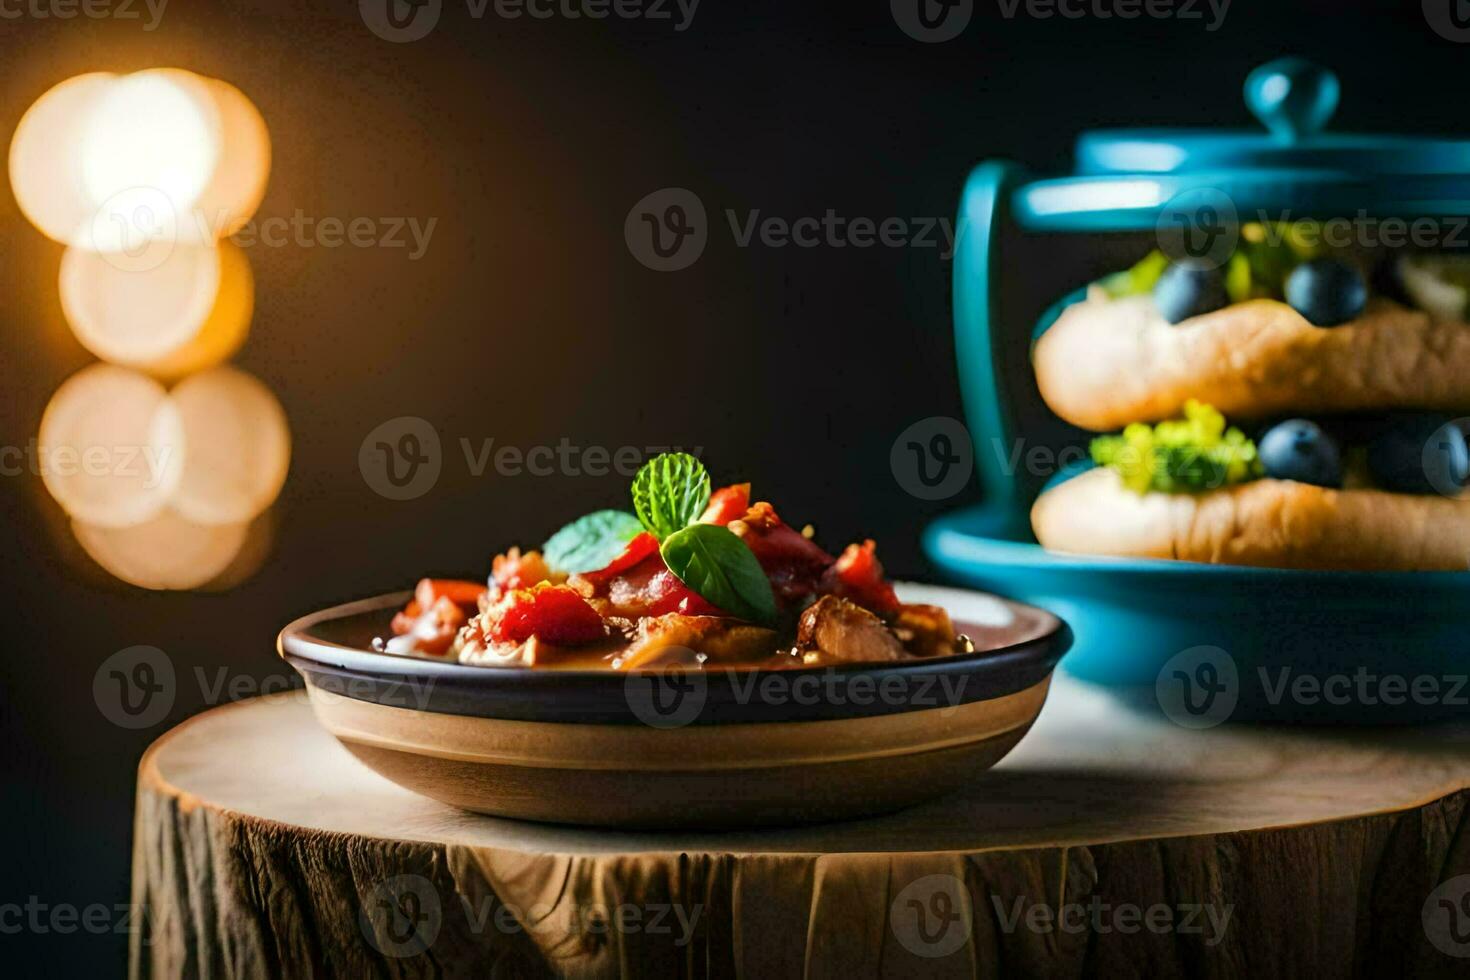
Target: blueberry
(1189,289)
(1420,454)
(1299,450)
(1327,292)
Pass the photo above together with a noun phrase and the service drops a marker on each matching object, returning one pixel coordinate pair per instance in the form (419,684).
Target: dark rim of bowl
(656,698)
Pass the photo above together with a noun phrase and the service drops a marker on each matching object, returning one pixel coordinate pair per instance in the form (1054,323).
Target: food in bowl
(1341,371)
(688,576)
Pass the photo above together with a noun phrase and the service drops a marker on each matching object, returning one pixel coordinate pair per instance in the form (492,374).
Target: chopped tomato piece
(433,629)
(639,548)
(427,596)
(465,595)
(858,575)
(554,614)
(517,570)
(726,504)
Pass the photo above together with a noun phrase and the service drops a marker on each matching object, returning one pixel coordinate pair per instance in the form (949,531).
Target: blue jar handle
(1293,98)
(989,394)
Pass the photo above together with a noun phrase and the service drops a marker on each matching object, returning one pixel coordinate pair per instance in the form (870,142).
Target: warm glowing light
(151,131)
(46,155)
(189,312)
(133,164)
(144,177)
(111,446)
(167,552)
(238,447)
(234,191)
(252,556)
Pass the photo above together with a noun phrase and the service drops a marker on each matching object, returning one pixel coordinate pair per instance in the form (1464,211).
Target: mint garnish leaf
(712,561)
(669,492)
(590,542)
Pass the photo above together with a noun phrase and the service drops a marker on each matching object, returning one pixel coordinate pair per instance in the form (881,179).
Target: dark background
(528,320)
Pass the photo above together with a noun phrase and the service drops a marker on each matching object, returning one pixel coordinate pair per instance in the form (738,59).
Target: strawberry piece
(858,575)
(554,614)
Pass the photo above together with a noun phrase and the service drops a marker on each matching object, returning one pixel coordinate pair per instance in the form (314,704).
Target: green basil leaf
(669,492)
(590,542)
(712,561)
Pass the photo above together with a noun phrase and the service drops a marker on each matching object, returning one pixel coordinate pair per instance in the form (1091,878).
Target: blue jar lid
(1127,179)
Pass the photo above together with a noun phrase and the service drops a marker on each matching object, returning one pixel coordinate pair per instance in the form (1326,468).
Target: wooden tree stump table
(1109,843)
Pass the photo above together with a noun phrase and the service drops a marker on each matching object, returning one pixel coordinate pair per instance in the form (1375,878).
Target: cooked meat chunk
(520,570)
(841,631)
(926,631)
(677,638)
(792,562)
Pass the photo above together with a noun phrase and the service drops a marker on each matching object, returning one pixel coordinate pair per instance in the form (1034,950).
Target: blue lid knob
(1292,97)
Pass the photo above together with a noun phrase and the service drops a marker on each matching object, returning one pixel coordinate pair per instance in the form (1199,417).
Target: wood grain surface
(1108,843)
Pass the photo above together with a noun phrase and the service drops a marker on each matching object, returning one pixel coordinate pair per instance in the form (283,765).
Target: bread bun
(1108,362)
(1266,523)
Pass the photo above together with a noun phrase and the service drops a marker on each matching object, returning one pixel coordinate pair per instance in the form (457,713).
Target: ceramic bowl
(715,748)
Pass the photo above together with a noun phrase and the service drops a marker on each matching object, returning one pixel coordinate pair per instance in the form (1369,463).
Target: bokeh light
(144,177)
(167,552)
(133,164)
(237,447)
(110,449)
(152,131)
(46,157)
(189,312)
(238,183)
